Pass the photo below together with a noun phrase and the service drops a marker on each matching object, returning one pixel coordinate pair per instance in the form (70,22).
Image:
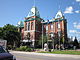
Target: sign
(3,43)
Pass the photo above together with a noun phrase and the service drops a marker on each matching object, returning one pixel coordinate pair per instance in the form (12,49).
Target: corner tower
(32,26)
(60,27)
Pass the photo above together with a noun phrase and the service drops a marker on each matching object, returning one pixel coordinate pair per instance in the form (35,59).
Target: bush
(29,49)
(18,49)
(24,48)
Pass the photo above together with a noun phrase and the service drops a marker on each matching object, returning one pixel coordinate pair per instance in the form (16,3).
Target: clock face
(34,12)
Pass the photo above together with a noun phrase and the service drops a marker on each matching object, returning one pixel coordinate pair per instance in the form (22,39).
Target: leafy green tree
(75,43)
(28,36)
(11,34)
(1,33)
(40,40)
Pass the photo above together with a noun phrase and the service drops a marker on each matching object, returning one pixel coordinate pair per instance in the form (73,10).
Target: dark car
(5,55)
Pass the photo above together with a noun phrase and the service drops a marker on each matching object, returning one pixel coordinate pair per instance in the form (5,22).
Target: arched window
(51,26)
(28,25)
(32,25)
(58,25)
(46,27)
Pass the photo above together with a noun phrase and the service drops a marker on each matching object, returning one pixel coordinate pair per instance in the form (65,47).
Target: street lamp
(53,40)
(59,38)
(42,32)
(59,32)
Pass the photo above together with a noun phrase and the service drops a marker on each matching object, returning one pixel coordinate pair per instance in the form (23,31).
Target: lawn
(63,52)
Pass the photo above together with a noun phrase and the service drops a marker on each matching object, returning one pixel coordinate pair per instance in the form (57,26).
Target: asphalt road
(21,56)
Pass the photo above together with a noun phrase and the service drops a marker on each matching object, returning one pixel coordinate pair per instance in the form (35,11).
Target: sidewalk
(47,54)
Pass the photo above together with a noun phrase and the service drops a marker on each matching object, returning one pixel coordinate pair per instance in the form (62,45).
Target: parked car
(5,55)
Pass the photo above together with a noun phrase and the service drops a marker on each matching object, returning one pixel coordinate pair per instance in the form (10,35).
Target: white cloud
(77,11)
(72,31)
(77,0)
(76,25)
(69,10)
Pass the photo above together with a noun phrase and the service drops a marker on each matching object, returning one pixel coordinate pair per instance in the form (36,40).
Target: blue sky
(12,11)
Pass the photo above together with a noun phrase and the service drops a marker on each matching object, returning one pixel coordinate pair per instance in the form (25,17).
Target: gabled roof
(34,12)
(59,14)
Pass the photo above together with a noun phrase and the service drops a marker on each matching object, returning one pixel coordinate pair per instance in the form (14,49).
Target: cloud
(77,11)
(72,31)
(77,0)
(69,9)
(76,25)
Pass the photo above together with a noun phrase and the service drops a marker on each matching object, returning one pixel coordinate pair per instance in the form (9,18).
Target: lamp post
(59,39)
(53,41)
(42,32)
(59,32)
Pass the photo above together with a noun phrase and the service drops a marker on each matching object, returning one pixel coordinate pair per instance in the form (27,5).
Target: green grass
(64,52)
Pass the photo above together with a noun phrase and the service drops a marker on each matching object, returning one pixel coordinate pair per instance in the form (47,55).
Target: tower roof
(34,12)
(20,24)
(59,14)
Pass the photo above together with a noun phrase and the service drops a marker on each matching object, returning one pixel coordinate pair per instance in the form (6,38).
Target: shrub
(24,48)
(18,49)
(29,49)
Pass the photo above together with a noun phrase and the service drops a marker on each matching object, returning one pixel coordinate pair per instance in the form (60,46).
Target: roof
(34,12)
(51,21)
(59,14)
(20,24)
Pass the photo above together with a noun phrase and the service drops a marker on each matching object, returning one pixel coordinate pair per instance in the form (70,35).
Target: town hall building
(34,26)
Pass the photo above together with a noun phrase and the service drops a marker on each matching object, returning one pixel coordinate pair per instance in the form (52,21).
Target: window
(32,26)
(58,25)
(46,27)
(58,16)
(28,25)
(51,26)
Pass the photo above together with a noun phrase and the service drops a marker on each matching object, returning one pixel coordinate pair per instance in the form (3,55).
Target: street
(21,56)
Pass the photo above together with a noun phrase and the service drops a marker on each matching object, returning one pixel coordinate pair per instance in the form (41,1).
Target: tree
(11,34)
(28,36)
(40,40)
(1,33)
(75,43)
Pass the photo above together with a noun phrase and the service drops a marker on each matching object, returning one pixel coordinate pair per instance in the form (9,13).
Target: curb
(48,54)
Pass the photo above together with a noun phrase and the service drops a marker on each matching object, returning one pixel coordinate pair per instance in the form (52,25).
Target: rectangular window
(46,27)
(28,25)
(32,25)
(51,26)
(58,25)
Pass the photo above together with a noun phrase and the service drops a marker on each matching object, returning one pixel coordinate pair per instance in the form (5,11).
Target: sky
(12,11)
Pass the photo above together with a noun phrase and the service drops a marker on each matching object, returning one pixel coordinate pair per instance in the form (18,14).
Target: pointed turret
(34,12)
(59,15)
